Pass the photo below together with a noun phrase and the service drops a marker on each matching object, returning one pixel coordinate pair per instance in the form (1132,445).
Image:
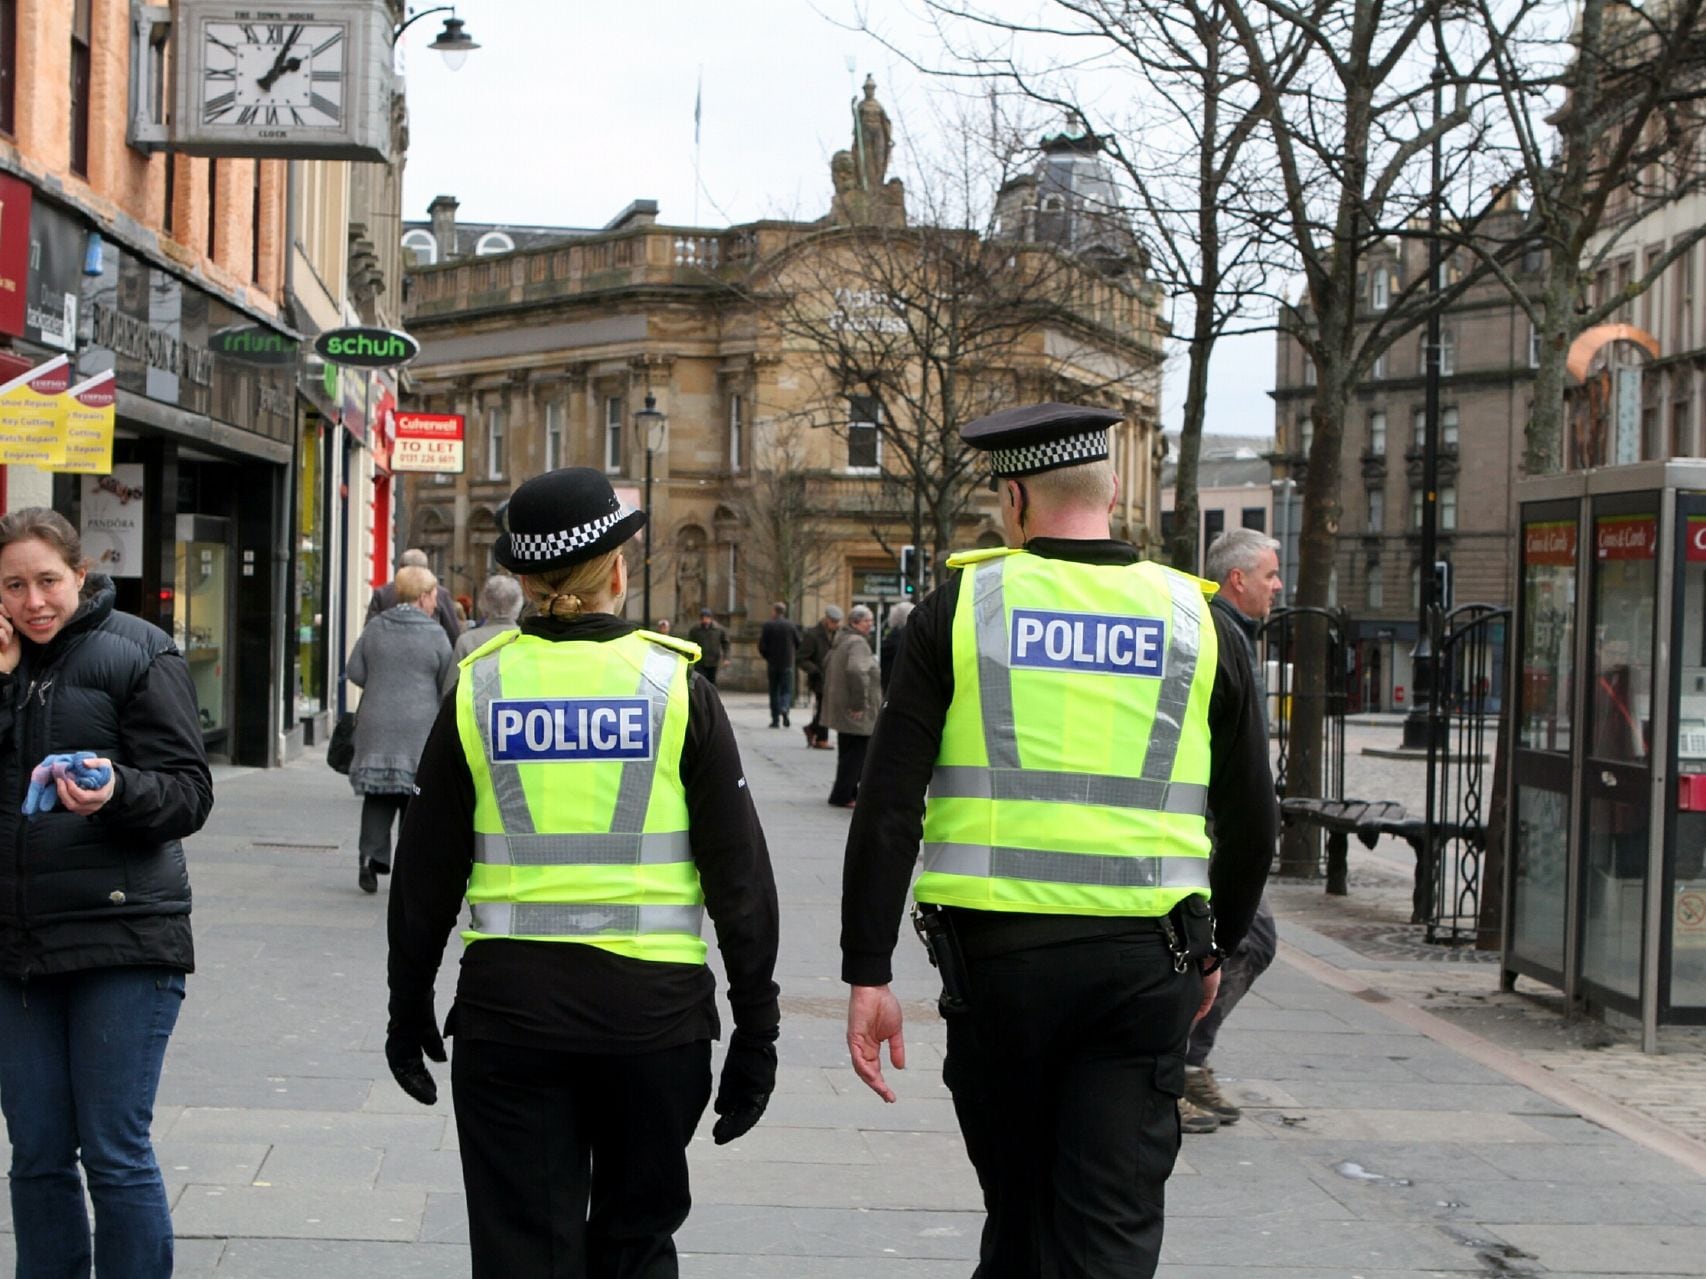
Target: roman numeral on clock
(214,108)
(326,106)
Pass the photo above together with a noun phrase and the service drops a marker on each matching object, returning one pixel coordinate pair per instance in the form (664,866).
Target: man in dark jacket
(778,642)
(893,634)
(386,597)
(813,657)
(713,642)
(1246,564)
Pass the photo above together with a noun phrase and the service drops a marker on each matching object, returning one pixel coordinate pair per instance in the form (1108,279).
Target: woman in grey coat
(852,695)
(402,664)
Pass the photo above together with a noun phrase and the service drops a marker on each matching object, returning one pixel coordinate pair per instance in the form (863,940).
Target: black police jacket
(109,889)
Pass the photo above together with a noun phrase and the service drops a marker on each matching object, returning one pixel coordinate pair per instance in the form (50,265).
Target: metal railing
(1286,692)
(1465,702)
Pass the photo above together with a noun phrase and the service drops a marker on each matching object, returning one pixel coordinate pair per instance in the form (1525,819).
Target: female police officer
(583,790)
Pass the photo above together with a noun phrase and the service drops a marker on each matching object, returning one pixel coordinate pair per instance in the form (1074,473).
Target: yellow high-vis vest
(580,818)
(1073,773)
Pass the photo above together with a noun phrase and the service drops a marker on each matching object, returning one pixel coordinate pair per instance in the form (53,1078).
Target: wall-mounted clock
(312,81)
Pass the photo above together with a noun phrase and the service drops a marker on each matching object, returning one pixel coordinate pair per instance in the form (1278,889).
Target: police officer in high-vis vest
(582,790)
(1060,719)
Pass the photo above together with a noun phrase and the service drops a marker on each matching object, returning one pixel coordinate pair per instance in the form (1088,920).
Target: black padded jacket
(112,888)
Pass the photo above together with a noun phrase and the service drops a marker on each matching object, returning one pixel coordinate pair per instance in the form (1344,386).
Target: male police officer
(1073,713)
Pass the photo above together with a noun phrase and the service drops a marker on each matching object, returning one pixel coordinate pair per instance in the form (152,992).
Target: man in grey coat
(401,662)
(499,605)
(813,656)
(1246,564)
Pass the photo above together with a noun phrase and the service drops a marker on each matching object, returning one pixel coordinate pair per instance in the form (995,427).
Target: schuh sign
(363,348)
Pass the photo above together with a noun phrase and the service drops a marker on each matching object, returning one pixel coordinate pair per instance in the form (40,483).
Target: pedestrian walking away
(851,698)
(1072,713)
(713,642)
(401,662)
(500,606)
(384,598)
(778,642)
(812,657)
(893,637)
(583,792)
(1245,564)
(100,736)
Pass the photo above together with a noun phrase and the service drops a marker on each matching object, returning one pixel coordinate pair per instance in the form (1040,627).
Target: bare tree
(905,332)
(1183,132)
(788,541)
(1601,126)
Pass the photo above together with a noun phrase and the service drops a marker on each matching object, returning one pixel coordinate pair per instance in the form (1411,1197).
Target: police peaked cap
(1041,437)
(563,518)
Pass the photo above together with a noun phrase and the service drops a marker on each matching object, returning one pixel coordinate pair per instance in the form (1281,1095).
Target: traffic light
(909,570)
(1442,585)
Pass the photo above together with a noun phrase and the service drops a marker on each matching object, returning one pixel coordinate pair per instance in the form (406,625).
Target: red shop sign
(1551,542)
(1626,537)
(16,199)
(1696,535)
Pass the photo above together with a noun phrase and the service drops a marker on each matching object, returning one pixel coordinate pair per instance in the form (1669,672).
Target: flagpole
(698,102)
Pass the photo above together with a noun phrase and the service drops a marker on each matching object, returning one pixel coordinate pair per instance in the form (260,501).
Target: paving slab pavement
(1374,1144)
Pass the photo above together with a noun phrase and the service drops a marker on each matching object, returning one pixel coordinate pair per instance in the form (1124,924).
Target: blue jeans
(80,1057)
(781,692)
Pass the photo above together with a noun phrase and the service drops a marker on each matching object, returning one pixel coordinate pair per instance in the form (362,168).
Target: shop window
(614,422)
(494,443)
(864,433)
(80,77)
(554,435)
(8,64)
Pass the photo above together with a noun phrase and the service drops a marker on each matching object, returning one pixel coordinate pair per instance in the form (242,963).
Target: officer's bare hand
(1210,988)
(873,1016)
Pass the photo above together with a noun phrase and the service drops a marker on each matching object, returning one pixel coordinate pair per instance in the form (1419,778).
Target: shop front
(193,522)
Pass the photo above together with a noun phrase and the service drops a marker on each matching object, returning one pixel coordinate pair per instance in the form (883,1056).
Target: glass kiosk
(1605,891)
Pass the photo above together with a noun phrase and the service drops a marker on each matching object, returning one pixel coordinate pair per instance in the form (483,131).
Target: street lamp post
(453,42)
(649,428)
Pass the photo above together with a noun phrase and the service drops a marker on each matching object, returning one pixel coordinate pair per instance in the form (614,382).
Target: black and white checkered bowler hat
(1041,437)
(562,518)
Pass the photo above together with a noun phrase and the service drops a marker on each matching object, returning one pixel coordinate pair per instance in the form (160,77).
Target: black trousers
(1065,1074)
(709,673)
(781,692)
(575,1164)
(849,767)
(377,814)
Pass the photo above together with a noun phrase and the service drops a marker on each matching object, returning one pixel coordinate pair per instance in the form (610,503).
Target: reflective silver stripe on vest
(1182,650)
(994,681)
(618,849)
(555,919)
(507,791)
(1099,870)
(968,781)
(635,792)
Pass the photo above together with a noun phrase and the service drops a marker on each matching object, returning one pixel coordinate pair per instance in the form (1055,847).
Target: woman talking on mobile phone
(102,774)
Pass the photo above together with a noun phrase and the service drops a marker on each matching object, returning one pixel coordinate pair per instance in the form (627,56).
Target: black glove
(407,1037)
(748,1079)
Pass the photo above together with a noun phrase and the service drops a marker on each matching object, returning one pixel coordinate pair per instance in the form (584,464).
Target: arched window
(420,247)
(493,242)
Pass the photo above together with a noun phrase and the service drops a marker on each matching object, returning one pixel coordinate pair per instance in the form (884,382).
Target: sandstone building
(790,361)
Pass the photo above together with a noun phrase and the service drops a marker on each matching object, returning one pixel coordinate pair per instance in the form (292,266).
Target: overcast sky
(570,110)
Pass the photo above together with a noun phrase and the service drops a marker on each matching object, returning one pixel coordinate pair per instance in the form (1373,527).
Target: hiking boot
(1194,1121)
(1202,1092)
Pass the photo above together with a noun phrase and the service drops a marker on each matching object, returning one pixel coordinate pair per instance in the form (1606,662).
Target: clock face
(274,74)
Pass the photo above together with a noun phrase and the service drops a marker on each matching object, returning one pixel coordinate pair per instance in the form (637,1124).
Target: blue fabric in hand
(43,795)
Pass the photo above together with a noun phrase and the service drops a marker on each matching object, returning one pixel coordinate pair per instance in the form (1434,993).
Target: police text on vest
(1109,644)
(535,730)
